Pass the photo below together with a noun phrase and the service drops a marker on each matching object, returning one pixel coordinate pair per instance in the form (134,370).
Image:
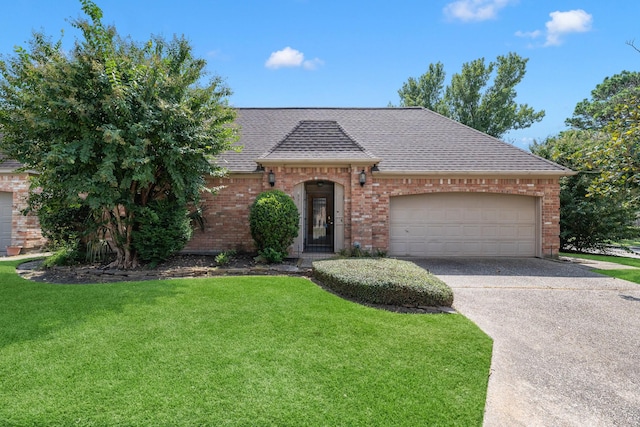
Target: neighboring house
(16,229)
(406,181)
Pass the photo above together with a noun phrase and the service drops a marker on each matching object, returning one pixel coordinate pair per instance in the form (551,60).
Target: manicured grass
(632,275)
(633,262)
(229,351)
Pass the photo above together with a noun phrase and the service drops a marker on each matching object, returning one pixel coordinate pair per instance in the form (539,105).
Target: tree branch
(632,44)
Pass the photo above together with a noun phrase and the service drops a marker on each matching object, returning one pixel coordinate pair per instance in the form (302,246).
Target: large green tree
(113,124)
(614,108)
(481,96)
(598,111)
(587,221)
(618,157)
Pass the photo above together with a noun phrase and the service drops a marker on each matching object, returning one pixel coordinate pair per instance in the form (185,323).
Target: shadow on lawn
(31,310)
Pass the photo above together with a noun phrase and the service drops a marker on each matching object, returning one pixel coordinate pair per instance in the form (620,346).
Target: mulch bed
(181,265)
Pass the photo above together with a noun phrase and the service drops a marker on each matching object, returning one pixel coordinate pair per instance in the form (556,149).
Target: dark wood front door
(320,217)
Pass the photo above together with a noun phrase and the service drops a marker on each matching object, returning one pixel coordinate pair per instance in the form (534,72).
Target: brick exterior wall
(366,208)
(25,230)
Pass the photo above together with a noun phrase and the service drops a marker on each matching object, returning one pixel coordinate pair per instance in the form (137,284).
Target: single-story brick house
(406,181)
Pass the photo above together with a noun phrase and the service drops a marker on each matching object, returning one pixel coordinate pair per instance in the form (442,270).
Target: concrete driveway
(566,341)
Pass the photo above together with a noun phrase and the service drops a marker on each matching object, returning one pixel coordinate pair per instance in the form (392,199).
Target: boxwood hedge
(383,281)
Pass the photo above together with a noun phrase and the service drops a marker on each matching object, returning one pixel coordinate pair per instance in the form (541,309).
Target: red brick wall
(366,209)
(25,230)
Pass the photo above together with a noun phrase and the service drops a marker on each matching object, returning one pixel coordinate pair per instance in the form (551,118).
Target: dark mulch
(181,265)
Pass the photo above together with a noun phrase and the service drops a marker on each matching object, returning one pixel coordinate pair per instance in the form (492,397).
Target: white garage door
(463,224)
(6,213)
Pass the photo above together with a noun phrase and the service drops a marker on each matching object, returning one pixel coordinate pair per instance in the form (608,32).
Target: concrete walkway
(566,340)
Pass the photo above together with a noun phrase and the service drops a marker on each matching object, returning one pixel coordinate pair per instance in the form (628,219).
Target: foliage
(273,220)
(232,351)
(618,158)
(587,221)
(66,253)
(225,258)
(614,108)
(469,98)
(271,255)
(599,111)
(383,281)
(162,228)
(62,224)
(357,252)
(113,125)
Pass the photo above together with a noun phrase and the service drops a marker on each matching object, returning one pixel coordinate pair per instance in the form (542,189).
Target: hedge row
(383,281)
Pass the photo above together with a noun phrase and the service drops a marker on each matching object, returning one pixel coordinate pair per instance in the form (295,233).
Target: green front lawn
(632,275)
(229,351)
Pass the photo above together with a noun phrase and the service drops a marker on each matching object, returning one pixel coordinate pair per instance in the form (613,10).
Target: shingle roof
(317,139)
(7,164)
(403,139)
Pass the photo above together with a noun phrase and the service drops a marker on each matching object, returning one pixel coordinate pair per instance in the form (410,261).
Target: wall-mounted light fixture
(272,178)
(363,178)
(375,168)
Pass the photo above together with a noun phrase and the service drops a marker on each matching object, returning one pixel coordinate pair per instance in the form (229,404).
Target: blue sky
(353,53)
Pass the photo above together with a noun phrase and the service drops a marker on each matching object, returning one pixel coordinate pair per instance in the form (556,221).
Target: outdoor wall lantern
(363,178)
(272,178)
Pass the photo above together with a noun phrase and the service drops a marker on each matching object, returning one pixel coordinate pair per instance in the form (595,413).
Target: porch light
(272,178)
(375,168)
(363,178)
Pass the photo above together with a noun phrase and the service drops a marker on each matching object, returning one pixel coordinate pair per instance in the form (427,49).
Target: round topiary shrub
(163,228)
(273,220)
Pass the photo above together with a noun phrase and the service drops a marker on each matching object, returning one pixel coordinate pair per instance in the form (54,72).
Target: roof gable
(317,139)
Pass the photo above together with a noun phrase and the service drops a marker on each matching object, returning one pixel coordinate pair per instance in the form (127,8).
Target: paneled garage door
(463,224)
(6,212)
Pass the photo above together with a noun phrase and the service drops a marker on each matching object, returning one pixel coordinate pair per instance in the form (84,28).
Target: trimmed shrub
(383,281)
(273,219)
(163,229)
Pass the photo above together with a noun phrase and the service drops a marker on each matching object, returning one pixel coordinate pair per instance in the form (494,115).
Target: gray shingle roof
(317,139)
(404,139)
(7,164)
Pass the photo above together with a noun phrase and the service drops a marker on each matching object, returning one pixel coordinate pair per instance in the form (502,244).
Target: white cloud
(561,23)
(573,21)
(313,64)
(474,10)
(529,34)
(286,57)
(289,57)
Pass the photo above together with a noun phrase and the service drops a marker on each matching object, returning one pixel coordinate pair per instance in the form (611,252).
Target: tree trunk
(120,225)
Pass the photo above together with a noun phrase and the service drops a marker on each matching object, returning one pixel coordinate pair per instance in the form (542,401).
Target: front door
(319,233)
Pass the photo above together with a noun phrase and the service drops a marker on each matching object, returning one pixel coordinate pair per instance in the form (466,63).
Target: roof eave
(528,173)
(306,162)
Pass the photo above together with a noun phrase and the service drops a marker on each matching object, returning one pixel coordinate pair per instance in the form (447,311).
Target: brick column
(361,208)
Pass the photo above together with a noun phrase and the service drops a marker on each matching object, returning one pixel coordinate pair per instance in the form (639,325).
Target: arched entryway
(321,225)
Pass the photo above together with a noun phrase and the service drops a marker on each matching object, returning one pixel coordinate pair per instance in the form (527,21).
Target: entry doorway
(320,217)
